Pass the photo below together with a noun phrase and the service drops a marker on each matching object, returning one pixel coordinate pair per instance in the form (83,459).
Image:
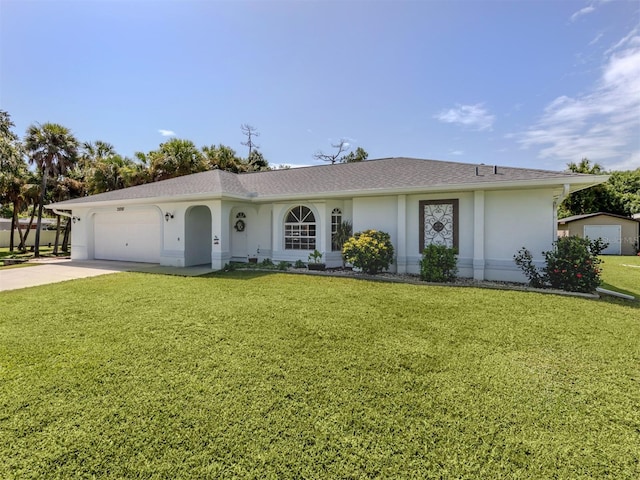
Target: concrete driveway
(53,271)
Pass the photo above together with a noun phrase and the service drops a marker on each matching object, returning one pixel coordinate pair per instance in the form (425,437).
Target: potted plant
(315,261)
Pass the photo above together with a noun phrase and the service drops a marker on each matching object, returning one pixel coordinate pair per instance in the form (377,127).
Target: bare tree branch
(342,146)
(249,131)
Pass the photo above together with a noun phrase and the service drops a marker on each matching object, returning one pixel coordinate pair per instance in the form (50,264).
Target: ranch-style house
(487,212)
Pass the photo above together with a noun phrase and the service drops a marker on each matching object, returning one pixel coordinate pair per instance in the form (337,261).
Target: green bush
(283,265)
(299,264)
(524,260)
(370,250)
(439,264)
(266,263)
(572,265)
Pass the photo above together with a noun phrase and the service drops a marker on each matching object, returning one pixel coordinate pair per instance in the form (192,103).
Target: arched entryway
(197,245)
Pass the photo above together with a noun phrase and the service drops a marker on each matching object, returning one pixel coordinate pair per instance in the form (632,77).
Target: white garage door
(612,234)
(129,235)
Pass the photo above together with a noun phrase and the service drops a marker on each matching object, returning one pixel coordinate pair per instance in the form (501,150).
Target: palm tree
(13,169)
(53,149)
(30,193)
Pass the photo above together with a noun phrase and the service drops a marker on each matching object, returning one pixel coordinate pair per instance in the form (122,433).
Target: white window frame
(300,229)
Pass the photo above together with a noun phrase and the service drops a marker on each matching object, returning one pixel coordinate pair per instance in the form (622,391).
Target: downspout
(61,213)
(566,188)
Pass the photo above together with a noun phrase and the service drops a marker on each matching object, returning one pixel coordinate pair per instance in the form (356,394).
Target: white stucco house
(214,217)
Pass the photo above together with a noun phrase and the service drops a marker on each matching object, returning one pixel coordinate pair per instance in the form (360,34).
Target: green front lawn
(621,274)
(267,375)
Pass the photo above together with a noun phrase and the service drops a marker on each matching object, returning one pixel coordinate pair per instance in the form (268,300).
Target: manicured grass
(44,251)
(621,274)
(260,375)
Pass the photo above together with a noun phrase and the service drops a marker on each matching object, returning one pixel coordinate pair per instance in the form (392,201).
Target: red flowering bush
(571,265)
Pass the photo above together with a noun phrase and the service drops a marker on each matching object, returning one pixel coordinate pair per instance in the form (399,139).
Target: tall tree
(257,163)
(625,186)
(590,200)
(341,155)
(175,158)
(222,157)
(360,155)
(250,132)
(341,147)
(53,149)
(13,171)
(112,173)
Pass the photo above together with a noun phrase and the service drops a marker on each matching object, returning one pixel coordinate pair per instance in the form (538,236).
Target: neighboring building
(620,232)
(47,234)
(488,213)
(5,223)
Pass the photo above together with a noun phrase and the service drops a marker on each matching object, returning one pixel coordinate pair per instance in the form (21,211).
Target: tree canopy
(620,195)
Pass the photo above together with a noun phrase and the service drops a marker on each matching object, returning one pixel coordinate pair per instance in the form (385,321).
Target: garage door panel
(132,236)
(612,234)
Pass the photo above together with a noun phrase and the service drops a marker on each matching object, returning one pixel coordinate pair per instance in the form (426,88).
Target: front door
(239,232)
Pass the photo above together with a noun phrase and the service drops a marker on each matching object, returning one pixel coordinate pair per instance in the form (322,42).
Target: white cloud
(596,39)
(472,116)
(603,124)
(456,152)
(581,12)
(166,133)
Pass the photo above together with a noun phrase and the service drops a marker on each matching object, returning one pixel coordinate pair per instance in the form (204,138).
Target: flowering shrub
(438,264)
(370,250)
(571,265)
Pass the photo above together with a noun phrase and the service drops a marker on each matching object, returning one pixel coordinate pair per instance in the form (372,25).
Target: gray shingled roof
(589,215)
(386,174)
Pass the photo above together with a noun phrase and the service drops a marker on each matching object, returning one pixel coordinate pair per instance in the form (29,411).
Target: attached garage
(131,235)
(621,233)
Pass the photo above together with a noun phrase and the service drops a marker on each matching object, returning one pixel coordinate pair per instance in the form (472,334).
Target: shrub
(266,263)
(524,260)
(370,250)
(571,265)
(299,264)
(439,264)
(283,265)
(315,257)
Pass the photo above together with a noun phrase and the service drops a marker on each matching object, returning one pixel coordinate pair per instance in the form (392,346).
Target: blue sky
(519,83)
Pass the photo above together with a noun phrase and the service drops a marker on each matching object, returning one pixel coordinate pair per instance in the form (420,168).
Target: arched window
(336,220)
(300,229)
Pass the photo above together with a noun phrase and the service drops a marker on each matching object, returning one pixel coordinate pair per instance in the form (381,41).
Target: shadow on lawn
(241,274)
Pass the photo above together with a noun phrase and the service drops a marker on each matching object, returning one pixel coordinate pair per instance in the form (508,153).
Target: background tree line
(50,165)
(619,195)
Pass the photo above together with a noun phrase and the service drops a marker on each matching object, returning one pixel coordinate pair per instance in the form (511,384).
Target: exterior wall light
(75,219)
(168,216)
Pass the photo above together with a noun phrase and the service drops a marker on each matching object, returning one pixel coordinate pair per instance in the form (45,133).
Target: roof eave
(147,200)
(583,182)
